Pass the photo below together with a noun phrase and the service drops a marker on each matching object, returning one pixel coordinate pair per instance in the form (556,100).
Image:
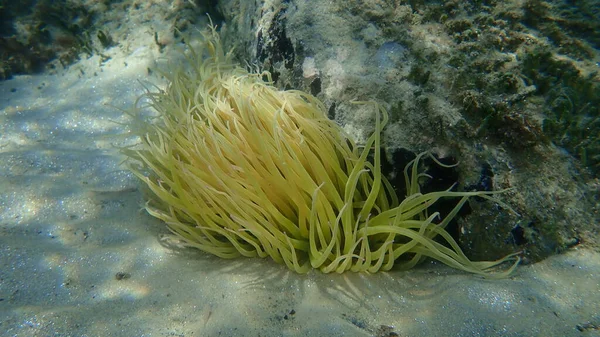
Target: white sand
(71,221)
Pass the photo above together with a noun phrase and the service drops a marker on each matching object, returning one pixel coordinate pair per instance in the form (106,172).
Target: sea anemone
(236,167)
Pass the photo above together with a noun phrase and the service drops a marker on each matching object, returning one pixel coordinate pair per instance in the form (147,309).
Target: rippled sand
(79,257)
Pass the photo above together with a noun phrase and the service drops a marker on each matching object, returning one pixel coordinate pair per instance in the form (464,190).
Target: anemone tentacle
(236,167)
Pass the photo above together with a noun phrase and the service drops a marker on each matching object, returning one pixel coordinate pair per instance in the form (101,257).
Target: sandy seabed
(79,256)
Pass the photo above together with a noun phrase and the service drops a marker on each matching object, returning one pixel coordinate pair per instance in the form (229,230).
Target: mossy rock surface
(513,98)
(46,35)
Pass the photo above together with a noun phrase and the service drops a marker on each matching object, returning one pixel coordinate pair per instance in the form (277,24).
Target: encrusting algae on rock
(237,167)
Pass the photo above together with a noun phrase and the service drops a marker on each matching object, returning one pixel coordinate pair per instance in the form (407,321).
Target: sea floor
(80,257)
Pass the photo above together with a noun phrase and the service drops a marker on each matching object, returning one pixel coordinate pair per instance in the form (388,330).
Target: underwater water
(515,85)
